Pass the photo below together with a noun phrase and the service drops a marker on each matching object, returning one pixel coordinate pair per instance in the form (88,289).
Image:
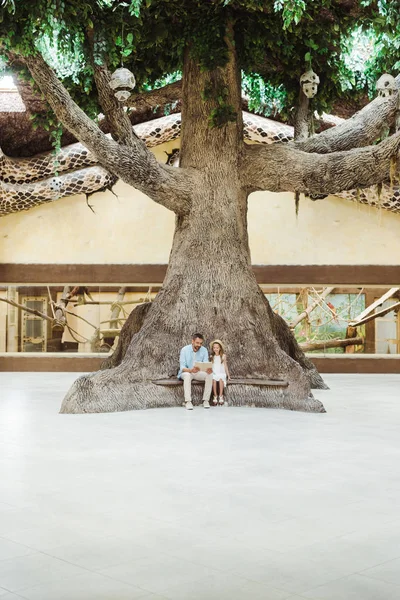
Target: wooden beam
(380,313)
(369,345)
(369,309)
(147,274)
(65,361)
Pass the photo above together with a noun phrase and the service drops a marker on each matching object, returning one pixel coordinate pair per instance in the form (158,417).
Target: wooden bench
(174,381)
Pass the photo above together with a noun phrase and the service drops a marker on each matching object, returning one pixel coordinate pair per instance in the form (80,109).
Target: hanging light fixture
(122,82)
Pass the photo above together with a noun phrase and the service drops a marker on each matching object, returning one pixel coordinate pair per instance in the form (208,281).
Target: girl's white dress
(219,369)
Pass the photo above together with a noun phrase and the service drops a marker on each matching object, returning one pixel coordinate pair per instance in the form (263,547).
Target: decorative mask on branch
(386,85)
(55,187)
(122,83)
(309,83)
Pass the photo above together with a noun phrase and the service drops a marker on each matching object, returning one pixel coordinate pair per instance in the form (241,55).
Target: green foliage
(276,41)
(292,11)
(327,321)
(263,98)
(223,114)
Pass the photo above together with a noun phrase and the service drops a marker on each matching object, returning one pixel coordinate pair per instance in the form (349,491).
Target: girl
(220,370)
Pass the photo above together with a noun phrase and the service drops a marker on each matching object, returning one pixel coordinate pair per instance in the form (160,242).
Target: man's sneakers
(189,405)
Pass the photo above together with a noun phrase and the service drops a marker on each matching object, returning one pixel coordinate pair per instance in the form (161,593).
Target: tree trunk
(209,286)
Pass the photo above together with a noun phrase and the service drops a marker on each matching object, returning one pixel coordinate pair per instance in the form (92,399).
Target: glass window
(88,318)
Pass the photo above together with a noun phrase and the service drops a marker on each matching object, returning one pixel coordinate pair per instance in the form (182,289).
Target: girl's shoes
(218,400)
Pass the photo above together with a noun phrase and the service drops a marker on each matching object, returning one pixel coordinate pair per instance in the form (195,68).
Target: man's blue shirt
(188,357)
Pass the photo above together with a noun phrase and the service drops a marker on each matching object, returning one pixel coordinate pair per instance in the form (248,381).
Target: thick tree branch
(117,120)
(136,165)
(302,118)
(151,99)
(362,129)
(323,345)
(281,168)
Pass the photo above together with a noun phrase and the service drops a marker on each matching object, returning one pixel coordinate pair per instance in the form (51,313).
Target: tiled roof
(11,101)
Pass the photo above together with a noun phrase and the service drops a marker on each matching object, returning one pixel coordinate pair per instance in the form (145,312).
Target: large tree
(70,49)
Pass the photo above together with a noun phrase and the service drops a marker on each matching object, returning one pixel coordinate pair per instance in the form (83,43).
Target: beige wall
(329,231)
(131,228)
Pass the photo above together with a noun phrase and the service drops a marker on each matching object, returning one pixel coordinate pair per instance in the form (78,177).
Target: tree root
(131,326)
(288,343)
(106,391)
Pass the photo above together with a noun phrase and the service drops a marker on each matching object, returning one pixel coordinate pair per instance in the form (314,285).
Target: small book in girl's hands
(203,366)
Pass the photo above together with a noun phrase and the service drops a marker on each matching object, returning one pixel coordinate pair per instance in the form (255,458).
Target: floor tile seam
(310,561)
(193,582)
(383,514)
(333,581)
(360,574)
(7,590)
(350,532)
(274,588)
(228,538)
(324,541)
(299,593)
(377,529)
(6,539)
(379,564)
(92,571)
(303,548)
(59,578)
(101,570)
(179,558)
(147,590)
(361,502)
(169,555)
(72,578)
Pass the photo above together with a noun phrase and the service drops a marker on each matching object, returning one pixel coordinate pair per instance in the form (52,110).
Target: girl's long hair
(221,351)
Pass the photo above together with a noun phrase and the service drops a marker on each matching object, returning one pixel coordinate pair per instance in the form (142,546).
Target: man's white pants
(200,376)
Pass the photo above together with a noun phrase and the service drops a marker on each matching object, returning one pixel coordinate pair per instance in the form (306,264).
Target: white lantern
(122,83)
(309,83)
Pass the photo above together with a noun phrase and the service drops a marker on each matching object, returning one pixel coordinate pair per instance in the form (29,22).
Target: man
(195,352)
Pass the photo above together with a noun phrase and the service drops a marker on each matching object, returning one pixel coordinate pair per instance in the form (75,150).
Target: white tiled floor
(230,503)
